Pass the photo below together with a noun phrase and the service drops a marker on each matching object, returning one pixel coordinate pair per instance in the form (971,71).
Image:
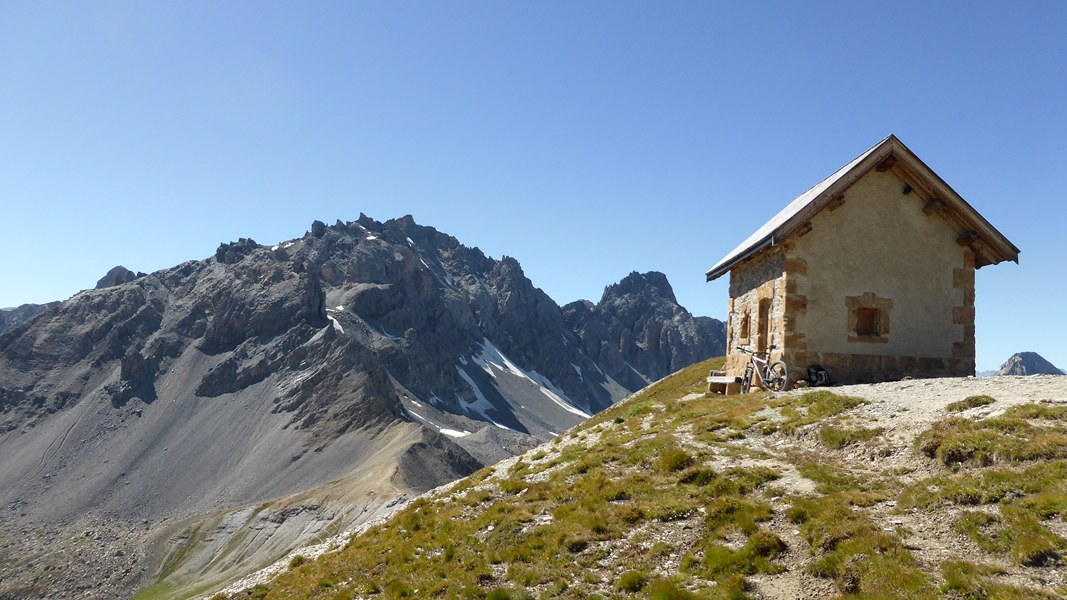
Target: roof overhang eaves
(1003,249)
(726,265)
(838,182)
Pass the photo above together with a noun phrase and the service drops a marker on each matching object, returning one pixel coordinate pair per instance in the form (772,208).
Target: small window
(868,318)
(744,326)
(868,321)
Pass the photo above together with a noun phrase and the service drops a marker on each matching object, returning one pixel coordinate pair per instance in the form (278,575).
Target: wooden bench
(719,383)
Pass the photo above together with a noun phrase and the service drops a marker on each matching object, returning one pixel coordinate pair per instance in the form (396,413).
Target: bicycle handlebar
(747,351)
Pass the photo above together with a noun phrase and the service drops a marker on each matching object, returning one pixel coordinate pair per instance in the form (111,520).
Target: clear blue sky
(586,139)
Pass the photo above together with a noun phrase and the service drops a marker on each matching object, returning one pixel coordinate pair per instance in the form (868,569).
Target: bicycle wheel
(777,377)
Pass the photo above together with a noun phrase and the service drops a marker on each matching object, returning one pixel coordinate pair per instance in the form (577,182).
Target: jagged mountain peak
(639,333)
(652,283)
(1028,363)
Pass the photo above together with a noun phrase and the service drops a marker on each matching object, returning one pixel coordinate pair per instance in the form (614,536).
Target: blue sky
(586,139)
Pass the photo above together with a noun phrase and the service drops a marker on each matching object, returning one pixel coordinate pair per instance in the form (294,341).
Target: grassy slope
(665,497)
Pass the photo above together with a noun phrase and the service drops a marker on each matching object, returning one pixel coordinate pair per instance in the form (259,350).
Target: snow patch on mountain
(493,361)
(454,433)
(481,405)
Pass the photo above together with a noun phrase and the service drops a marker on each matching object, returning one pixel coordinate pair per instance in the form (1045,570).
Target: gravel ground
(905,409)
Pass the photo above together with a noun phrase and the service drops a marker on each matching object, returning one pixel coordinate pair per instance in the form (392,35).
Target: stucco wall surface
(880,241)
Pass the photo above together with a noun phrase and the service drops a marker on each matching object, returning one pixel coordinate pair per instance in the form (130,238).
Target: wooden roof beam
(933,205)
(968,238)
(916,185)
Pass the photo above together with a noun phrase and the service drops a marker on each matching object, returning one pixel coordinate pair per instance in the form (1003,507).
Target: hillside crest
(913,489)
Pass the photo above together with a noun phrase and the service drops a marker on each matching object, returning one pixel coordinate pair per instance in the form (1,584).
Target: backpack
(818,376)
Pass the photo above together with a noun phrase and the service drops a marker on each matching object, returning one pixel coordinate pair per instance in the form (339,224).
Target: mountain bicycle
(773,376)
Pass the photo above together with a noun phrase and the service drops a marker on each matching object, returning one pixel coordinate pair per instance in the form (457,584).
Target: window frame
(872,306)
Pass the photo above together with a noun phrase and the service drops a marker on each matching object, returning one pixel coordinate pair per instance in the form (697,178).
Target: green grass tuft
(1008,438)
(838,437)
(756,556)
(1015,532)
(973,581)
(969,402)
(987,487)
(632,581)
(661,589)
(672,459)
(1038,411)
(855,552)
(812,407)
(727,513)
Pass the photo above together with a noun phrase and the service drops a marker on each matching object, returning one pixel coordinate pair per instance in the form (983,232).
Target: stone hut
(870,274)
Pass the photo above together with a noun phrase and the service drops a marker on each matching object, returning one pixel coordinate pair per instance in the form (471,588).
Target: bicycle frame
(758,366)
(772,376)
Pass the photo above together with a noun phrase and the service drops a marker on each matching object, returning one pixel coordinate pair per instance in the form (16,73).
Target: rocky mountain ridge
(318,379)
(10,318)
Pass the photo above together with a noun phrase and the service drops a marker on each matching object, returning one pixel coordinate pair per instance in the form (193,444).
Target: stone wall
(759,280)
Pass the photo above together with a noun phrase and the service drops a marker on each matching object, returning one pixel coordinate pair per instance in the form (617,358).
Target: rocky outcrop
(639,333)
(1028,363)
(234,251)
(117,276)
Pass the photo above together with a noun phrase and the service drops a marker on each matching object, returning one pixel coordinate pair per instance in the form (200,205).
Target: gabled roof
(989,245)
